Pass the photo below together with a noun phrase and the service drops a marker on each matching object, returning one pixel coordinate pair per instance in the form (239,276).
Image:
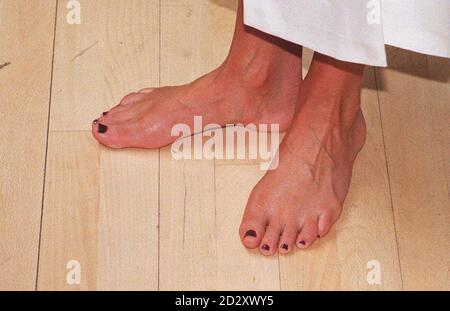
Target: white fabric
(356,30)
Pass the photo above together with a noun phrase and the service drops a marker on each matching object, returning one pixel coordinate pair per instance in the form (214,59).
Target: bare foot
(299,201)
(257,83)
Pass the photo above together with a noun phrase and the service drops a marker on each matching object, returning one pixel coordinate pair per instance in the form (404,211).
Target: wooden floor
(141,220)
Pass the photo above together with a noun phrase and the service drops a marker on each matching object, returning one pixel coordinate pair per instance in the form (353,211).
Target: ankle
(257,74)
(334,107)
(336,75)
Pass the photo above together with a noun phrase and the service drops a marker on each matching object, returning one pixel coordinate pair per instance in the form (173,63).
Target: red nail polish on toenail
(302,242)
(251,233)
(105,113)
(285,246)
(266,247)
(102,128)
(318,236)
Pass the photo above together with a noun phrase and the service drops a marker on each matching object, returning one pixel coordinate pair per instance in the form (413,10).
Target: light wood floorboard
(139,219)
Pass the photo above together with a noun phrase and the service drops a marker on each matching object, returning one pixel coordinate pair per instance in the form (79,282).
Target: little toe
(324,224)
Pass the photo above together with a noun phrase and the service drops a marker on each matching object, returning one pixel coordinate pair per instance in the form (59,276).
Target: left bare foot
(257,83)
(299,201)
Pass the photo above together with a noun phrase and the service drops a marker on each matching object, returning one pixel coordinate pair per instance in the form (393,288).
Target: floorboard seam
(46,147)
(388,176)
(159,155)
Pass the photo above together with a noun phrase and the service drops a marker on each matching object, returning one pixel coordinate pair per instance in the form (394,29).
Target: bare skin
(298,202)
(260,82)
(257,83)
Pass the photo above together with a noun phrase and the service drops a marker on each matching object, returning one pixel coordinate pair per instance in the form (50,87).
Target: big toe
(106,134)
(116,135)
(252,231)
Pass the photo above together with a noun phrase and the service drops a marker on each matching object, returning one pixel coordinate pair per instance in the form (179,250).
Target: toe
(269,243)
(251,231)
(113,135)
(287,239)
(114,112)
(308,234)
(121,115)
(324,224)
(132,98)
(104,133)
(147,90)
(123,106)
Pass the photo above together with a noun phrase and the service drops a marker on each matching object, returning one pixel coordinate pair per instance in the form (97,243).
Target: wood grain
(339,261)
(141,220)
(239,268)
(114,51)
(26,49)
(195,36)
(71,211)
(187,224)
(101,206)
(127,256)
(415,111)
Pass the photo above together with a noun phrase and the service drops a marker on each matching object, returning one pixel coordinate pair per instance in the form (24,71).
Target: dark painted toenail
(302,242)
(266,247)
(95,121)
(251,233)
(105,113)
(102,128)
(285,246)
(318,236)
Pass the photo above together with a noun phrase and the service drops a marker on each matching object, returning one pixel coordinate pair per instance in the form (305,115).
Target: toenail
(318,236)
(302,242)
(102,128)
(285,246)
(251,233)
(266,247)
(105,113)
(95,121)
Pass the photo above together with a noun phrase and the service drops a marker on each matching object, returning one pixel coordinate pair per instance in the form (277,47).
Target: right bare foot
(299,201)
(257,83)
